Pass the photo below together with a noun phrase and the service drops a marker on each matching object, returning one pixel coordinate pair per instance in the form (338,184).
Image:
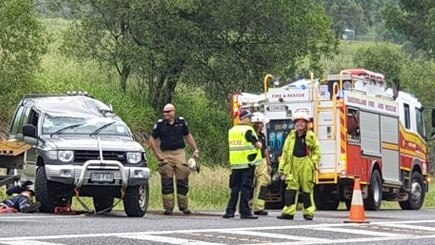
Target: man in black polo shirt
(172,158)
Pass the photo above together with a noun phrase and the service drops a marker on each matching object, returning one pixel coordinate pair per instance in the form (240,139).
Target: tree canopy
(385,58)
(346,14)
(217,45)
(21,44)
(364,17)
(415,20)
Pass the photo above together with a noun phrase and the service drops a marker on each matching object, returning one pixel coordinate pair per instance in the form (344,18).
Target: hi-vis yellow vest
(240,148)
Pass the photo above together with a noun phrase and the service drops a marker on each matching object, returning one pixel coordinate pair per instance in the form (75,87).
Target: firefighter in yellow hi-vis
(299,160)
(263,170)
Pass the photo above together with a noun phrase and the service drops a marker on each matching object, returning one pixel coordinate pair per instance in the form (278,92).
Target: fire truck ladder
(326,127)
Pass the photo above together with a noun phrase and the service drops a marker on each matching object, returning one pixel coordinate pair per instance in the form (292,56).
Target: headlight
(134,157)
(65,156)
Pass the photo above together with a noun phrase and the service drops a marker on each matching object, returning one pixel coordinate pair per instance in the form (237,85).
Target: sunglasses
(167,111)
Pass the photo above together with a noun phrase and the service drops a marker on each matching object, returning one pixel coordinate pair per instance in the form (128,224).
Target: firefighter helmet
(193,164)
(259,117)
(301,115)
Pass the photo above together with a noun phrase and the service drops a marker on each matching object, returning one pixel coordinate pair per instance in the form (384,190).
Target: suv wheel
(136,200)
(43,191)
(103,202)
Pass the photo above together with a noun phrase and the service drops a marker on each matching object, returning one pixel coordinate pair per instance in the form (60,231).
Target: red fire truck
(366,130)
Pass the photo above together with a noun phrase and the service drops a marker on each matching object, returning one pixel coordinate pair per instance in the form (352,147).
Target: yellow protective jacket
(240,148)
(313,145)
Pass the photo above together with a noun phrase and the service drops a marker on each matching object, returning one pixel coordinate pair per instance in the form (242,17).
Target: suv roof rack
(29,96)
(69,93)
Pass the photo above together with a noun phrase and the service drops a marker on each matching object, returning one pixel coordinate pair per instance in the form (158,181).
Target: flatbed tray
(13,154)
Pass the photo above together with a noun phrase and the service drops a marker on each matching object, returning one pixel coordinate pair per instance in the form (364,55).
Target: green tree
(415,20)
(22,43)
(250,38)
(385,58)
(416,79)
(346,14)
(217,45)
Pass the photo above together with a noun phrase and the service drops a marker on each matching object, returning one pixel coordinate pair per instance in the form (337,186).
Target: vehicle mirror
(29,130)
(433,118)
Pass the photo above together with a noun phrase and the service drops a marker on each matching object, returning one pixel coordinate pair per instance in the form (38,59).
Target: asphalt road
(385,227)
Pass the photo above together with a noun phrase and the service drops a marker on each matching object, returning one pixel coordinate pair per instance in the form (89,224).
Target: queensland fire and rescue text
(365,129)
(371,104)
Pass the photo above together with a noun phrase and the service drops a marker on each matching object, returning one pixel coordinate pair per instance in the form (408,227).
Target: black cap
(245,113)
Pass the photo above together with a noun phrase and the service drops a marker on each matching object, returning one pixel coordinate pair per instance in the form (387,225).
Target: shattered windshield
(76,125)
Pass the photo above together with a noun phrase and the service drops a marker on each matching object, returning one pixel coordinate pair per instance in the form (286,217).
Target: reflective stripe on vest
(240,148)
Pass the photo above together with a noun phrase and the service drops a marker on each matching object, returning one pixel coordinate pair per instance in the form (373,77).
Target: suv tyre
(136,200)
(103,202)
(43,191)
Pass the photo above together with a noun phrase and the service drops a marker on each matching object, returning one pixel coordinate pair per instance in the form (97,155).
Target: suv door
(16,131)
(31,155)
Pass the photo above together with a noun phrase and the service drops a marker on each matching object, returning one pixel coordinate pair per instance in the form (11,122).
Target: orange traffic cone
(357,213)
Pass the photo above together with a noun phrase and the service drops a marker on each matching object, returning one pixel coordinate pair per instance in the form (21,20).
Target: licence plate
(102,177)
(277,108)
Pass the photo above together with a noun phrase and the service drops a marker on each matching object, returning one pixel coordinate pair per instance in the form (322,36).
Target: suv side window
(32,119)
(16,125)
(24,119)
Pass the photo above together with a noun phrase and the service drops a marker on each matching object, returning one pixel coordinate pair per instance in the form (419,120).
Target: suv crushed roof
(70,106)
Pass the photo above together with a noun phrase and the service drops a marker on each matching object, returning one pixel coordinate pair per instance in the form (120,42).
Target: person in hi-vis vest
(245,154)
(298,163)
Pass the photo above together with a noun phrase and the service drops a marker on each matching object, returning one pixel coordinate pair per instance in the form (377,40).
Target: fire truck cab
(366,130)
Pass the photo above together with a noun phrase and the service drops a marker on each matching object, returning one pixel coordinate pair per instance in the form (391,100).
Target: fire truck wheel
(417,195)
(330,205)
(348,204)
(373,201)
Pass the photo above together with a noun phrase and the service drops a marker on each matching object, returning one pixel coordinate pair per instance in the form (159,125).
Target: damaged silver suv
(80,148)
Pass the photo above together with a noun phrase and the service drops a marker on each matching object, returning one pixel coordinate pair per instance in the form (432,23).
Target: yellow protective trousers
(300,178)
(262,180)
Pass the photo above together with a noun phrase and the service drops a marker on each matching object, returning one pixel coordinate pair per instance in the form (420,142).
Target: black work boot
(186,211)
(285,216)
(227,216)
(249,217)
(34,207)
(168,212)
(308,217)
(261,212)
